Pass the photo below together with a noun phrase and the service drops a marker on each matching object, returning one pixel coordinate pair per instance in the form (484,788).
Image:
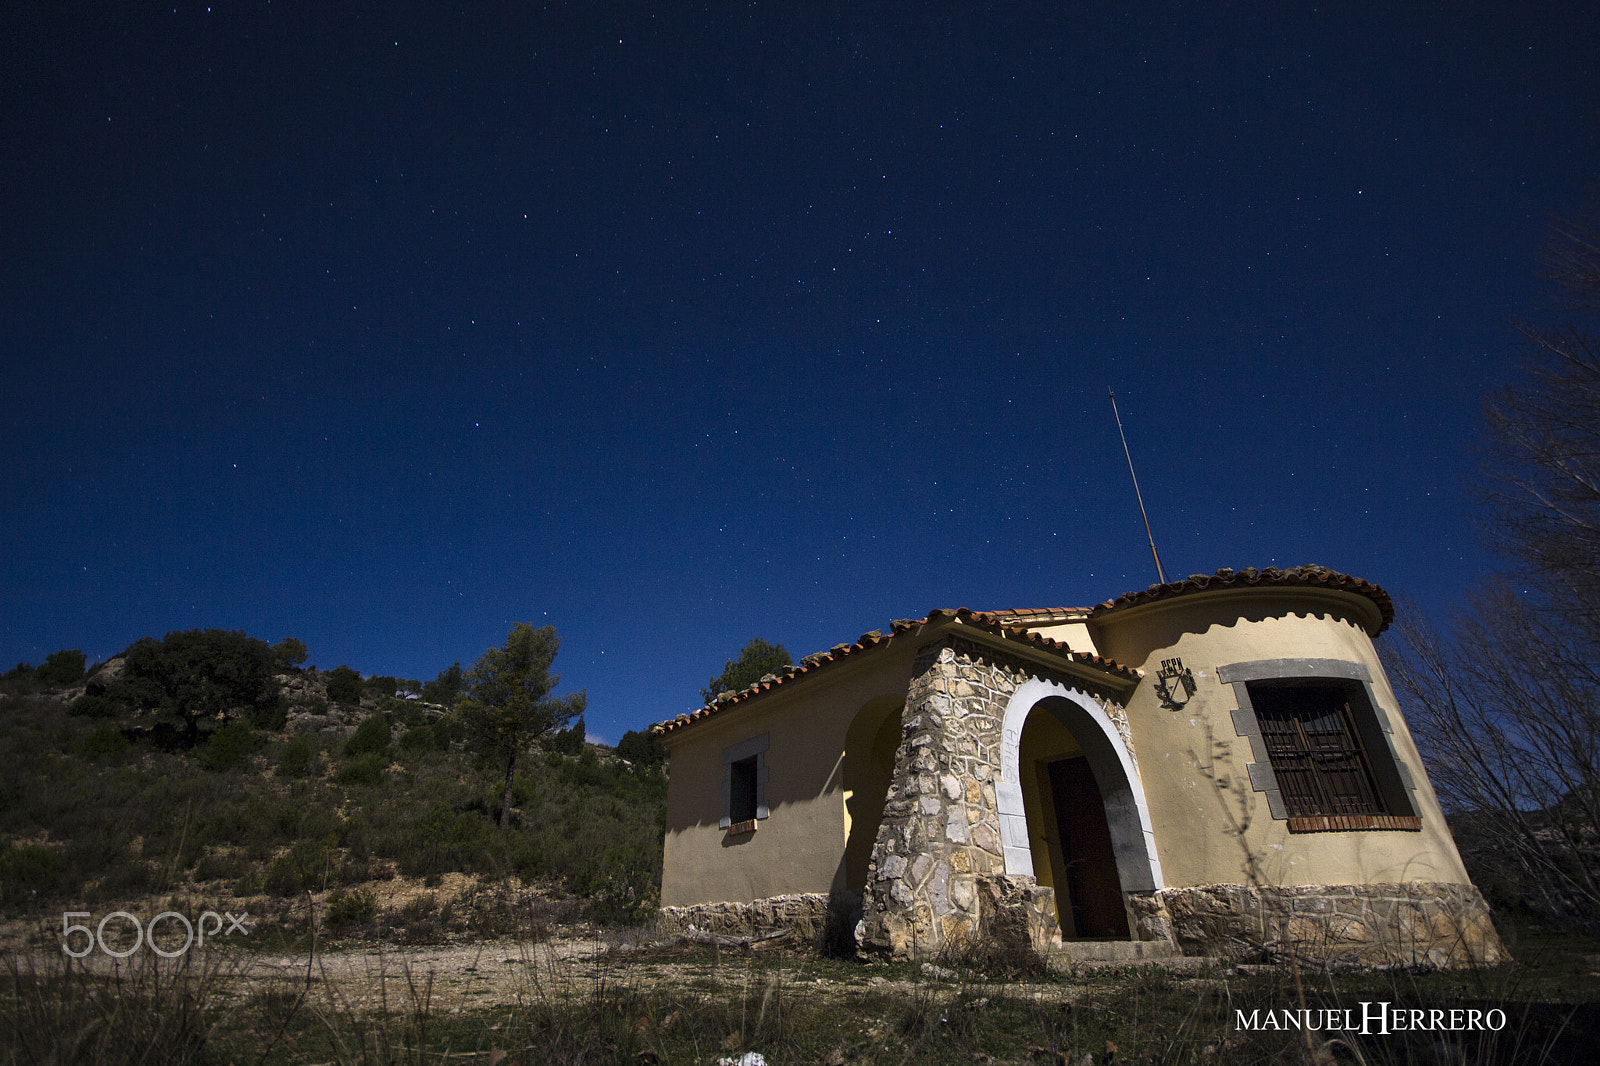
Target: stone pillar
(941,828)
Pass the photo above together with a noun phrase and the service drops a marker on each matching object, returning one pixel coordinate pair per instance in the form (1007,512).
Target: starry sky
(386,326)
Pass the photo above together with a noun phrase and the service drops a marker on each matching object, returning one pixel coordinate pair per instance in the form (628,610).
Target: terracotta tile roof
(998,622)
(1304,576)
(1037,614)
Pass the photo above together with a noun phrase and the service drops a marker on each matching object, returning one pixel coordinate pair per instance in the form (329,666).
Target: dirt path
(447,977)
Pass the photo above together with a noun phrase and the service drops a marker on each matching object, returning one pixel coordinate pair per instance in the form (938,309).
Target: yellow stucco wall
(1209,823)
(832,735)
(801,846)
(1074,634)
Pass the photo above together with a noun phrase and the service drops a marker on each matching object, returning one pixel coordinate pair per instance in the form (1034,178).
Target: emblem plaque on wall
(1174,684)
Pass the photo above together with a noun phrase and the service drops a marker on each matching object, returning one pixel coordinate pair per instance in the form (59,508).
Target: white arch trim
(1127,813)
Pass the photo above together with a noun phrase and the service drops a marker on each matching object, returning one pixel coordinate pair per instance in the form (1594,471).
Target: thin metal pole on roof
(1136,493)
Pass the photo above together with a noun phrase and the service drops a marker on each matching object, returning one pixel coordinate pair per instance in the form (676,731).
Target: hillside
(370,815)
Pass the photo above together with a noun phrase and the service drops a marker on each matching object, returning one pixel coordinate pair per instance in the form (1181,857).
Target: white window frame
(757,747)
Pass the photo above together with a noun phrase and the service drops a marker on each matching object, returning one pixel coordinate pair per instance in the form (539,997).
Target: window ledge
(740,828)
(1339,823)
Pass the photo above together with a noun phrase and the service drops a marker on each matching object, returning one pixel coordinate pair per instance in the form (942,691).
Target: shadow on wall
(868,767)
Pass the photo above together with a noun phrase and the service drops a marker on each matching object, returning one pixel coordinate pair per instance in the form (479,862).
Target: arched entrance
(1072,810)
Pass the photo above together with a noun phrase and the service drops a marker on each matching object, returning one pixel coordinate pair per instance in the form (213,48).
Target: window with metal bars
(1315,748)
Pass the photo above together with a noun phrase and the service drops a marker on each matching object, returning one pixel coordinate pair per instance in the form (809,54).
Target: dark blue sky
(386,326)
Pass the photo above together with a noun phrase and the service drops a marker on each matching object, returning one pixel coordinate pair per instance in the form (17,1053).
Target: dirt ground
(462,978)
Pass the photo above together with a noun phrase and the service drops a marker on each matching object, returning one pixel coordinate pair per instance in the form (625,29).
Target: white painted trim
(1008,793)
(756,746)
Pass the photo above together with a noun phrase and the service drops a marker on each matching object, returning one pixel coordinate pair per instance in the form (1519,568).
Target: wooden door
(1091,862)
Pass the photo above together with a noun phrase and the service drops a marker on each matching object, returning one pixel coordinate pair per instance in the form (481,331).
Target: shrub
(344,685)
(621,885)
(299,755)
(443,841)
(446,688)
(197,675)
(28,872)
(99,742)
(61,668)
(381,685)
(567,741)
(365,769)
(421,738)
(371,736)
(346,909)
(219,866)
(93,706)
(290,653)
(229,748)
(271,716)
(644,751)
(304,867)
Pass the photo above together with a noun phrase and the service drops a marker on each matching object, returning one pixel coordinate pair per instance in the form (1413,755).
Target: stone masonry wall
(940,832)
(1417,923)
(806,914)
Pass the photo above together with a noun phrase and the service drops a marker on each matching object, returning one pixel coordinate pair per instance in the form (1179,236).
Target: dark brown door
(1097,909)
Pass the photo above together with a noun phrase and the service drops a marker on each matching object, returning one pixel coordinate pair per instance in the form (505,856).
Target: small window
(742,790)
(1315,749)
(744,784)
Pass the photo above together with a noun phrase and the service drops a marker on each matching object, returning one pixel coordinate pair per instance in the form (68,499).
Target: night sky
(387,326)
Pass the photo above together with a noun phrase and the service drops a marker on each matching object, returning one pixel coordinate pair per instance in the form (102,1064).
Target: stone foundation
(1018,908)
(807,914)
(1424,923)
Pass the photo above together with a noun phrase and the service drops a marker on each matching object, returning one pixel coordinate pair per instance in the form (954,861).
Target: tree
(508,705)
(1507,701)
(446,688)
(344,685)
(1507,706)
(757,660)
(198,675)
(644,751)
(61,668)
(568,741)
(291,652)
(1543,489)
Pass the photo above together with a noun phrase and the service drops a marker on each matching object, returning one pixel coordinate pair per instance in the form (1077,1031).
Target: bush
(61,668)
(567,741)
(381,685)
(93,706)
(229,748)
(344,685)
(420,738)
(299,755)
(347,909)
(99,742)
(446,688)
(644,751)
(218,866)
(370,737)
(271,716)
(197,675)
(621,885)
(365,769)
(290,652)
(28,872)
(304,867)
